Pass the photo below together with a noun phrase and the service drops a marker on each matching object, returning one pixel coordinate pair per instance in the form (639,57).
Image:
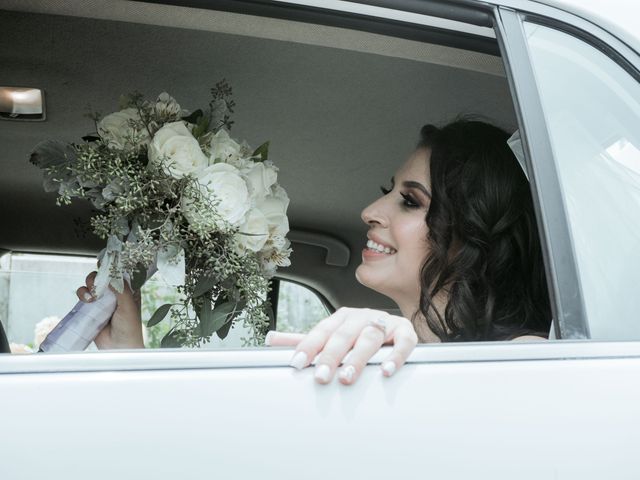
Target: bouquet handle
(83,323)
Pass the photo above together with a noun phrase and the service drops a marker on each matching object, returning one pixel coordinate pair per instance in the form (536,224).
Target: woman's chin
(365,276)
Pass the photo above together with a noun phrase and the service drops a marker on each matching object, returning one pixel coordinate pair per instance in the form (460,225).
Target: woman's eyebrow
(418,185)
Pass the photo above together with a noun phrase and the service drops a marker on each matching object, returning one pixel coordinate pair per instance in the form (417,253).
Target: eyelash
(407,200)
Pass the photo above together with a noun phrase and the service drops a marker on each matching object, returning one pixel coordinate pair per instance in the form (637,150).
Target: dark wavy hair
(484,248)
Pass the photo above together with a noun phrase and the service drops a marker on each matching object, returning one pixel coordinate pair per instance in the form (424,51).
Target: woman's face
(397,237)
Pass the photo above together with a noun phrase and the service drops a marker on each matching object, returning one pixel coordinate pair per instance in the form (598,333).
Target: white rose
(118,129)
(254,232)
(224,148)
(176,150)
(223,185)
(274,208)
(261,178)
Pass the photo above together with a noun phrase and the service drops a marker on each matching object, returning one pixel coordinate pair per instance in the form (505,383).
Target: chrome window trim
(174,359)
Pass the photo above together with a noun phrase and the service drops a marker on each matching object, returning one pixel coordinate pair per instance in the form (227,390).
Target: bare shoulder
(529,338)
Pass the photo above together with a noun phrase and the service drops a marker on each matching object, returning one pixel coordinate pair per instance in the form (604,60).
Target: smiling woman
(454,244)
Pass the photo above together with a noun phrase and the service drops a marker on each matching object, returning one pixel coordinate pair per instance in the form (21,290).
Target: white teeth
(380,248)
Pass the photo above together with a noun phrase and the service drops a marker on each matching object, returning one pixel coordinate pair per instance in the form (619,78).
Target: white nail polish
(388,368)
(299,360)
(322,373)
(347,373)
(267,339)
(87,297)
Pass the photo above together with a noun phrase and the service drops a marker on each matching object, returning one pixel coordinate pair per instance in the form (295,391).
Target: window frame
(506,16)
(562,270)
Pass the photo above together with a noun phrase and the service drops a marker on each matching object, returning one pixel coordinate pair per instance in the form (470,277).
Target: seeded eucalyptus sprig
(174,192)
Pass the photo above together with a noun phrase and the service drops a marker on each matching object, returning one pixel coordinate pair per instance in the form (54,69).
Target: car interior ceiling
(341,108)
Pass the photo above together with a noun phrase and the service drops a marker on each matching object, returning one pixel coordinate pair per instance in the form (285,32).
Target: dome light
(21,103)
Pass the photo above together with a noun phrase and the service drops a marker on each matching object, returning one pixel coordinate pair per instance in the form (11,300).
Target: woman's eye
(384,190)
(409,201)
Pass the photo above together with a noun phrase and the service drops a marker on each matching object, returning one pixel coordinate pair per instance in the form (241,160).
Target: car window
(591,105)
(56,278)
(341,108)
(23,279)
(299,308)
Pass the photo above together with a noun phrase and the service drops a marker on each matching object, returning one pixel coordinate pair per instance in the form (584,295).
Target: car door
(557,409)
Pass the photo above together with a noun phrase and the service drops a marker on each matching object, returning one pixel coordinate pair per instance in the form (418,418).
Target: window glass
(299,308)
(36,291)
(592,110)
(55,278)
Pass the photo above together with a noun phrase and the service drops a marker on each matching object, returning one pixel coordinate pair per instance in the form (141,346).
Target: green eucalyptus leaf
(262,152)
(159,314)
(194,117)
(201,127)
(205,314)
(139,277)
(219,317)
(170,340)
(223,331)
(205,284)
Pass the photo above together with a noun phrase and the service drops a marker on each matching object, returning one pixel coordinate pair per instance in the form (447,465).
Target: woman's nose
(374,213)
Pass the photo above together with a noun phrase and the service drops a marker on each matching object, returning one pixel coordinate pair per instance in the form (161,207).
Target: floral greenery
(173,191)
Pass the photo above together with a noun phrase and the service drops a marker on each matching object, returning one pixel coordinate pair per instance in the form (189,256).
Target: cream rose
(176,150)
(254,232)
(224,187)
(118,129)
(261,178)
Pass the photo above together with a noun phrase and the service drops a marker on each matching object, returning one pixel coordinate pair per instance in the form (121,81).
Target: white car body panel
(495,410)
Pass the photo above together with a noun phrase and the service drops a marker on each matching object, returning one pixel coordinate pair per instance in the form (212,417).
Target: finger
(312,343)
(338,346)
(84,294)
(90,280)
(405,340)
(283,339)
(366,346)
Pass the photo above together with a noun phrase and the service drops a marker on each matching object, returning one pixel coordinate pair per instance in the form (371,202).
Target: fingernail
(299,360)
(322,373)
(347,373)
(388,368)
(267,339)
(87,297)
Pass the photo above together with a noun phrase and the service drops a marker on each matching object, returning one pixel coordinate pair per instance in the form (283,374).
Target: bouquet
(173,191)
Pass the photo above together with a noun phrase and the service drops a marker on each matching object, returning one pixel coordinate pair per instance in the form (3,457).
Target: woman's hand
(124,330)
(359,332)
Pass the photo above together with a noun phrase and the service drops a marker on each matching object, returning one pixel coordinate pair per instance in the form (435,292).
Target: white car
(341,89)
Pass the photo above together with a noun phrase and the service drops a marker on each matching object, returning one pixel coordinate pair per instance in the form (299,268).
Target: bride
(452,241)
